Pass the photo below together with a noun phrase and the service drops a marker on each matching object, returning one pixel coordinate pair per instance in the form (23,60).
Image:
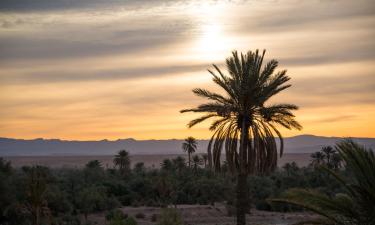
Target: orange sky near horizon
(123,69)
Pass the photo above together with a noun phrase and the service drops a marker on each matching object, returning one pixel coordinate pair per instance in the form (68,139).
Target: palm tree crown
(243,110)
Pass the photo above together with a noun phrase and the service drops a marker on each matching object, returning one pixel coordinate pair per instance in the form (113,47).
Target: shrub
(115,213)
(130,221)
(170,217)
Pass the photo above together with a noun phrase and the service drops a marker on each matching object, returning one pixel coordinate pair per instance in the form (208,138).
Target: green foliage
(356,205)
(115,213)
(170,217)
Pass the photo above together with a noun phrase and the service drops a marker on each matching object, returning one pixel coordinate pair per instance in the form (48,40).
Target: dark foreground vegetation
(39,195)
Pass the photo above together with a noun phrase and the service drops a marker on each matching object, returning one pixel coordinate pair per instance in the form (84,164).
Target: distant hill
(39,147)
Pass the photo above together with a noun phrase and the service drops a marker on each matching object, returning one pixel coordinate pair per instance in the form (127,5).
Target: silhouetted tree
(328,152)
(179,163)
(244,119)
(122,161)
(317,158)
(189,146)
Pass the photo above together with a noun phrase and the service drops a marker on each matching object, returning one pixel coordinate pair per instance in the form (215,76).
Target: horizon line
(170,139)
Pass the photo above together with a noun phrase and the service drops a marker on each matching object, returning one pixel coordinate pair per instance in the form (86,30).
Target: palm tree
(197,161)
(179,163)
(205,158)
(336,161)
(317,158)
(328,151)
(245,126)
(166,164)
(122,160)
(189,146)
(357,204)
(94,164)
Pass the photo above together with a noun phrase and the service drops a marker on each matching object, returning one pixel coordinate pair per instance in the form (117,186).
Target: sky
(91,70)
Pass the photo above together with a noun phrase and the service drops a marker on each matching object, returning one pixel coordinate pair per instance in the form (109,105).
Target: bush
(115,213)
(130,221)
(121,221)
(170,217)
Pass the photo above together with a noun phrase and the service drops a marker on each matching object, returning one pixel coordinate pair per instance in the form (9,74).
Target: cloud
(100,75)
(334,119)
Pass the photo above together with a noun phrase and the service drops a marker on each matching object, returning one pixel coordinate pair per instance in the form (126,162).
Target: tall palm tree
(245,125)
(317,158)
(122,160)
(357,204)
(189,146)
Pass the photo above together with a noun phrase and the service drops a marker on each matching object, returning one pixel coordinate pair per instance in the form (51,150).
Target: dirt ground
(210,215)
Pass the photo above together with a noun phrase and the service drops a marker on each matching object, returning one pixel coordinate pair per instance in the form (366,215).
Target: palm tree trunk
(242,204)
(241,198)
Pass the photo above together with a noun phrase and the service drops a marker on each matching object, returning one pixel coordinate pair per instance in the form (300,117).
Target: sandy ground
(210,215)
(149,160)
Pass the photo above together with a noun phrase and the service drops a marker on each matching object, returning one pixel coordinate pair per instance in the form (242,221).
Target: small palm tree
(189,146)
(328,152)
(355,206)
(317,158)
(166,164)
(94,164)
(179,163)
(122,160)
(197,161)
(245,125)
(335,161)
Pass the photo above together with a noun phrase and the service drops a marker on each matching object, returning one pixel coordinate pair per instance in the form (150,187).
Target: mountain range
(40,146)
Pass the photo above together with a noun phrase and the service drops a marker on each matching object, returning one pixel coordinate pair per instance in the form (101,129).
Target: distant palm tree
(336,161)
(197,161)
(328,151)
(166,164)
(290,168)
(205,158)
(245,125)
(317,158)
(355,206)
(189,146)
(179,163)
(94,164)
(122,160)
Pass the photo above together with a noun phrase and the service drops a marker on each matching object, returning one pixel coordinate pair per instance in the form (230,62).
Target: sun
(210,40)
